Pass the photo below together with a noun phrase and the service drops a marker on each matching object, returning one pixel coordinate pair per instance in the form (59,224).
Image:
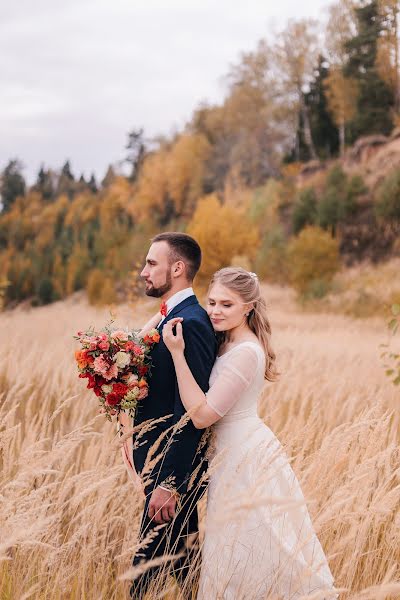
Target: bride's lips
(216,320)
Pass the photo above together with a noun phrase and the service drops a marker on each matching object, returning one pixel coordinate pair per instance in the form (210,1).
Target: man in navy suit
(169,452)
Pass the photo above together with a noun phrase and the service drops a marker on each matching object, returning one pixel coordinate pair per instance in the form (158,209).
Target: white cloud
(77,76)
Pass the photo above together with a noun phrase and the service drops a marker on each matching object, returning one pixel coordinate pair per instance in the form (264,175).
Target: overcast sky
(77,75)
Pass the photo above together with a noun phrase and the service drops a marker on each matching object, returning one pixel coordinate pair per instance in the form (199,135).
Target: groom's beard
(160,291)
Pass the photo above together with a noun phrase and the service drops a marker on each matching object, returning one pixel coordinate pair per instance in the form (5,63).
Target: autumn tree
(186,166)
(342,95)
(246,133)
(295,54)
(387,59)
(223,233)
(152,200)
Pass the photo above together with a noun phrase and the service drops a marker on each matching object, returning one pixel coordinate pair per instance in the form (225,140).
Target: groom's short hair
(182,247)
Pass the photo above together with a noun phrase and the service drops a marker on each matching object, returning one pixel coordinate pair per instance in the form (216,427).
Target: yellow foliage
(77,269)
(117,203)
(222,233)
(291,170)
(186,170)
(59,276)
(48,220)
(312,256)
(341,93)
(100,288)
(152,187)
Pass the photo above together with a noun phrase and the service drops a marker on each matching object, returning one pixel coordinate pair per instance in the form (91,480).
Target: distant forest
(230,177)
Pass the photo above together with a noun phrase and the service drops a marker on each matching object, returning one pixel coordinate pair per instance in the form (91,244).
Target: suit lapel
(191,300)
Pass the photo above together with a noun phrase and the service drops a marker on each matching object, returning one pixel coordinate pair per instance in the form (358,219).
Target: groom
(168,453)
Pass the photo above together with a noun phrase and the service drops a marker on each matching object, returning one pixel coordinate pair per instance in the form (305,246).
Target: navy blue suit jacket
(177,453)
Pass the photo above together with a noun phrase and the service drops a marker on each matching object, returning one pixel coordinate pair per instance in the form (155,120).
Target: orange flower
(83,358)
(142,383)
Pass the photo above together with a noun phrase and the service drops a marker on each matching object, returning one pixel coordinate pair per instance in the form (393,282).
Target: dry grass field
(69,514)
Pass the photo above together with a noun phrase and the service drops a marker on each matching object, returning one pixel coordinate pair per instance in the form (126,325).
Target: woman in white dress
(259,539)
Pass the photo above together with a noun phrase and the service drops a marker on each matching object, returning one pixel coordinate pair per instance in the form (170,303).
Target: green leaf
(396,309)
(392,324)
(389,372)
(397,380)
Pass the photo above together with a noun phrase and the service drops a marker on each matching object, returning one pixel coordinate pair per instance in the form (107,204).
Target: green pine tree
(375,99)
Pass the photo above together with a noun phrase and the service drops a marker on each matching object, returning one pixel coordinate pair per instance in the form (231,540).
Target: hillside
(373,157)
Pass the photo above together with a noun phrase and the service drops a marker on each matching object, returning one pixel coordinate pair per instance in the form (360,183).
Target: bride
(259,540)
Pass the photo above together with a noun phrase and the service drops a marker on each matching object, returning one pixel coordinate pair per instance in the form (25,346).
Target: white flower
(106,388)
(132,394)
(122,359)
(131,379)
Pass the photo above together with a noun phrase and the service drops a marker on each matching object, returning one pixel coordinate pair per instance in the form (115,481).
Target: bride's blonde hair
(247,286)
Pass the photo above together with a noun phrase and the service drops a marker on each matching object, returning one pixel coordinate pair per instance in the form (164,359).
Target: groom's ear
(178,268)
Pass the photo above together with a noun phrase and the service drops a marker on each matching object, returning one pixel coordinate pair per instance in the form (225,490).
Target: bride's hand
(175,343)
(151,324)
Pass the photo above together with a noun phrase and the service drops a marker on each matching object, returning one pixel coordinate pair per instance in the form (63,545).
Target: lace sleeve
(236,374)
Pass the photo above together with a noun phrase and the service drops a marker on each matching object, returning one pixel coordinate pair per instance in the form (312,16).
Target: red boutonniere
(163,308)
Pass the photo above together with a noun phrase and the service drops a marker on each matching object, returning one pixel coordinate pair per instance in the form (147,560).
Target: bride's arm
(234,377)
(192,396)
(151,324)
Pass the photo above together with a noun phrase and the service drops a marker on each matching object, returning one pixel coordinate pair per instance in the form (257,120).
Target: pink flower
(101,366)
(103,345)
(120,335)
(111,373)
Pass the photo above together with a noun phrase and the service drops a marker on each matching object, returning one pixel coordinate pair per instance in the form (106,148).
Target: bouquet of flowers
(117,365)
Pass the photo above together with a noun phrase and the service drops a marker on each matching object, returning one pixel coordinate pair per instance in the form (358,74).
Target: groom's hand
(162,505)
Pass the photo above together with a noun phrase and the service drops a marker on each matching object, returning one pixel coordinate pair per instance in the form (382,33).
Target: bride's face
(225,308)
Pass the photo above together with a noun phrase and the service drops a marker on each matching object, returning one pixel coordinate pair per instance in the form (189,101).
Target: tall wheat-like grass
(69,515)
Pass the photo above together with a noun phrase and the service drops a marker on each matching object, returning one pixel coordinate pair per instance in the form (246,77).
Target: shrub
(45,291)
(339,199)
(305,210)
(271,261)
(388,197)
(312,256)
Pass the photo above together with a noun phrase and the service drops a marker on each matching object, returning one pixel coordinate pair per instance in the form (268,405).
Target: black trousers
(177,537)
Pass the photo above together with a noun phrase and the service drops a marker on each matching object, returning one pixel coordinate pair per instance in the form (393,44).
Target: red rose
(98,391)
(100,381)
(92,379)
(120,389)
(113,399)
(143,370)
(129,346)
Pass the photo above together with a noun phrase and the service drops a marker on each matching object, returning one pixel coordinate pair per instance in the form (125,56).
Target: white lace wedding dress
(259,539)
